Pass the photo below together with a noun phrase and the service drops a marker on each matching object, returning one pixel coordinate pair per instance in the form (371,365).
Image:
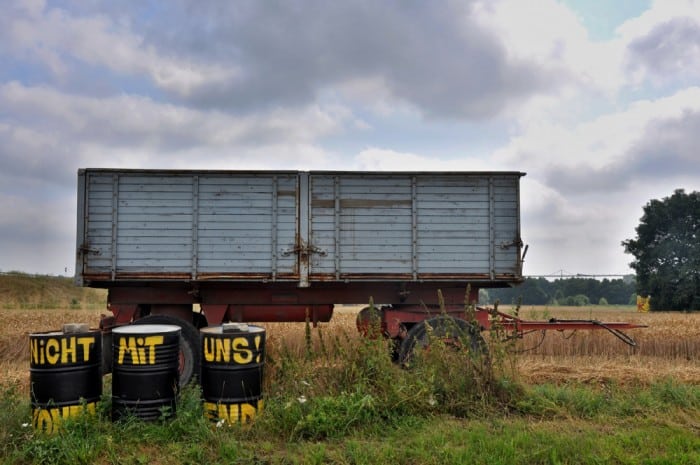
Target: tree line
(666,261)
(570,291)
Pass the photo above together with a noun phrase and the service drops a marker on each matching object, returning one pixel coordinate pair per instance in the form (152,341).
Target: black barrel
(233,357)
(145,377)
(65,374)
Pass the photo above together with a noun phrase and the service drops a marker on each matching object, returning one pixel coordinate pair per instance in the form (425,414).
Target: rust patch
(135,276)
(459,277)
(263,277)
(97,276)
(266,278)
(154,275)
(242,276)
(362,203)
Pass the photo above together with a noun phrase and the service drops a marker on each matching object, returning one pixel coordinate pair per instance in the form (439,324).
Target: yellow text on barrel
(232,413)
(48,420)
(239,349)
(52,351)
(141,350)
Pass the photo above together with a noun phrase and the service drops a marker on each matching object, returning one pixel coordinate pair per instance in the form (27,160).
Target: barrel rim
(58,332)
(146,329)
(218,330)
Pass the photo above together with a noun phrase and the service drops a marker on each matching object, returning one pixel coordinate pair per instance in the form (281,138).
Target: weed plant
(324,390)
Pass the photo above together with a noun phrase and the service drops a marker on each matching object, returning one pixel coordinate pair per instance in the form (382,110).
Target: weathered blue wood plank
(365,222)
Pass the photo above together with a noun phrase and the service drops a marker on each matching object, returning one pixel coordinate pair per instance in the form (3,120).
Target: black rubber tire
(368,320)
(190,360)
(199,320)
(443,326)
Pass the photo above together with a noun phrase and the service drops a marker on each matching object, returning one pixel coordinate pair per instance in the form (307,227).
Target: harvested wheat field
(18,324)
(668,348)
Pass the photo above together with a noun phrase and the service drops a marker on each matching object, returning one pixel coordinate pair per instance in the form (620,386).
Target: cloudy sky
(598,101)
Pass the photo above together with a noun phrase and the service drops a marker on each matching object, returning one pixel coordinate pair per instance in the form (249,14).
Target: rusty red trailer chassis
(396,320)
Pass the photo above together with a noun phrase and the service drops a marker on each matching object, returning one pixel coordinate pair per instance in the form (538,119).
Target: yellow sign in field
(643,303)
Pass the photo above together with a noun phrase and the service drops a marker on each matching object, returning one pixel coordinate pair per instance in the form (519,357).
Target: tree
(484,296)
(667,252)
(578,300)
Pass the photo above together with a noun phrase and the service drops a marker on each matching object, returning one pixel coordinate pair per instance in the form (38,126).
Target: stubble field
(669,348)
(332,396)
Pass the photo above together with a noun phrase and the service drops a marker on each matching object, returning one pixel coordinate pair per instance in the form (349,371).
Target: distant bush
(633,299)
(540,291)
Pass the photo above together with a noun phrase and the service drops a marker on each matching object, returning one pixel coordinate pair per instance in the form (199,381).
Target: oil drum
(145,377)
(233,357)
(65,374)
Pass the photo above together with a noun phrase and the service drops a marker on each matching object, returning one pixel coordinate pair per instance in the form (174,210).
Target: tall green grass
(546,425)
(336,383)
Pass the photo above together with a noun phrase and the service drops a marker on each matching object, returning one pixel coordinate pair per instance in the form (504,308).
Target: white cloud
(378,159)
(611,141)
(576,235)
(551,35)
(34,233)
(56,39)
(661,11)
(588,180)
(259,54)
(599,126)
(137,121)
(45,135)
(663,44)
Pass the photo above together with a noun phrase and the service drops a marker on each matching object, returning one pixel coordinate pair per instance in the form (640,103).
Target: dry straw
(669,347)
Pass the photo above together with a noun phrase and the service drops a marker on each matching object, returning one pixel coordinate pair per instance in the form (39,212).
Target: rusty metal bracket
(87,250)
(515,242)
(305,250)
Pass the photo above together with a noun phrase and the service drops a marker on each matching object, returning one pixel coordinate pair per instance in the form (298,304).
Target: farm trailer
(268,246)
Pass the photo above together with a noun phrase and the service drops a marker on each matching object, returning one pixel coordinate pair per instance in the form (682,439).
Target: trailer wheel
(454,331)
(369,320)
(190,363)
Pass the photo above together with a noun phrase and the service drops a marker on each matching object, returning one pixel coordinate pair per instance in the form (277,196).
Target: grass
(330,384)
(333,397)
(24,291)
(549,425)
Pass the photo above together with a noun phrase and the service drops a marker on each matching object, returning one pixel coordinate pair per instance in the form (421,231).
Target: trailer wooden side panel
(304,227)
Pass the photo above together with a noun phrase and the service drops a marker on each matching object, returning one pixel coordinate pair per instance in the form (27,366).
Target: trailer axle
(394,321)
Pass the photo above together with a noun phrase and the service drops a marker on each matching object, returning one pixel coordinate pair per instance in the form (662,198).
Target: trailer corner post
(81,235)
(302,246)
(336,225)
(492,230)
